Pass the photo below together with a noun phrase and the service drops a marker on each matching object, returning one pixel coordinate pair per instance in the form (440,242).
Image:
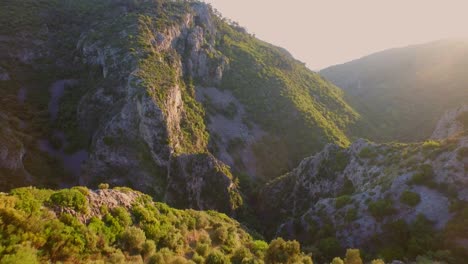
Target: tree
(216,257)
(337,260)
(353,256)
(281,251)
(24,254)
(132,239)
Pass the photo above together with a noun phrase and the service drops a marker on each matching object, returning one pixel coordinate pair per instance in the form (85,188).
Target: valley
(161,132)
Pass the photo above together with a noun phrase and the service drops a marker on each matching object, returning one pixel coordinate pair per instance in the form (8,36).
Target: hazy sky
(327,32)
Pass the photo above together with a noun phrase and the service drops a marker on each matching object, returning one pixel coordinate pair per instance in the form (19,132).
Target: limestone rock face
(4,76)
(340,185)
(452,123)
(200,181)
(137,127)
(12,150)
(106,198)
(133,103)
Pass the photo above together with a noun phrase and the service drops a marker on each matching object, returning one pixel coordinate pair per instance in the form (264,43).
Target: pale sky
(322,33)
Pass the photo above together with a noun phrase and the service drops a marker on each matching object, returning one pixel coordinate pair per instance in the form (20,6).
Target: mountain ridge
(401,93)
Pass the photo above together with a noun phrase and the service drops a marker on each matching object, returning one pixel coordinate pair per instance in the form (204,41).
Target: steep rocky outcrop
(360,189)
(452,123)
(141,130)
(129,108)
(199,181)
(139,88)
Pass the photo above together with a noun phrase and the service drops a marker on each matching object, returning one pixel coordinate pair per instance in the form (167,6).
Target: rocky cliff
(360,193)
(136,92)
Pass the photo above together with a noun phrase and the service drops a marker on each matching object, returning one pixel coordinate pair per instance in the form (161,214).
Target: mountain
(401,93)
(396,200)
(166,97)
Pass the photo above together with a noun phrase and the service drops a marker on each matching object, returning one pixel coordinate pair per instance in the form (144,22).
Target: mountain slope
(403,92)
(121,225)
(159,96)
(381,197)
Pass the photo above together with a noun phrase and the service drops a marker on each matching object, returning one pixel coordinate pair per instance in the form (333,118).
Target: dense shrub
(430,144)
(281,251)
(132,239)
(381,208)
(330,247)
(367,153)
(410,198)
(22,254)
(424,176)
(216,257)
(353,256)
(70,198)
(342,201)
(351,215)
(103,186)
(462,153)
(337,260)
(159,234)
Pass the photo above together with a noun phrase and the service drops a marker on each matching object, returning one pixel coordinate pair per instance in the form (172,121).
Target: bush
(353,257)
(425,176)
(240,255)
(351,215)
(70,198)
(330,247)
(337,260)
(103,186)
(430,144)
(377,261)
(462,153)
(221,234)
(381,208)
(202,249)
(281,251)
(342,201)
(122,216)
(410,198)
(258,248)
(367,153)
(132,239)
(23,254)
(216,257)
(148,248)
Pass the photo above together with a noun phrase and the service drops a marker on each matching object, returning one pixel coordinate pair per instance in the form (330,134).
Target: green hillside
(401,93)
(120,225)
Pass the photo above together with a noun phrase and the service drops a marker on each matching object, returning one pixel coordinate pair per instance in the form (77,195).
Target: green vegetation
(72,199)
(381,208)
(430,144)
(410,198)
(335,163)
(398,91)
(274,87)
(417,240)
(287,252)
(353,257)
(351,215)
(367,153)
(462,153)
(342,201)
(425,176)
(43,225)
